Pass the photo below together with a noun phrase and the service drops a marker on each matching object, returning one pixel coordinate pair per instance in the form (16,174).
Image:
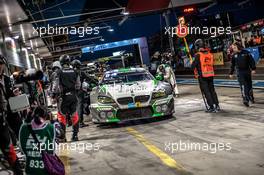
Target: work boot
(82,124)
(74,138)
(211,110)
(251,97)
(61,139)
(246,103)
(252,100)
(217,108)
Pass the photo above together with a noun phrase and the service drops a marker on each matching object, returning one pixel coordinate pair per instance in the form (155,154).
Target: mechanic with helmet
(203,66)
(6,145)
(76,64)
(166,73)
(68,83)
(87,83)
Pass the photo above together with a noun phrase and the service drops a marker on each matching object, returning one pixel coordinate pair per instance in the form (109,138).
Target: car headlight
(103,115)
(164,108)
(105,100)
(158,109)
(159,94)
(109,114)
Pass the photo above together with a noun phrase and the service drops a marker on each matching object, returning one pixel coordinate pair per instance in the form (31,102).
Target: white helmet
(56,64)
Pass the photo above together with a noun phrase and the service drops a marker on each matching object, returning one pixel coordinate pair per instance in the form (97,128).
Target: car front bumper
(114,114)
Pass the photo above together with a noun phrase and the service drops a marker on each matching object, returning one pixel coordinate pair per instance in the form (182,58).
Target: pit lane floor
(149,147)
(145,147)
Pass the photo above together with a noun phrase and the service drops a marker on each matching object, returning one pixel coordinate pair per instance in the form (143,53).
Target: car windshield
(110,78)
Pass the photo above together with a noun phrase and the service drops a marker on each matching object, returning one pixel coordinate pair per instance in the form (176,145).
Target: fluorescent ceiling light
(110,30)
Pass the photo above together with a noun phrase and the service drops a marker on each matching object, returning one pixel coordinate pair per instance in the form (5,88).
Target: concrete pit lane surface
(191,142)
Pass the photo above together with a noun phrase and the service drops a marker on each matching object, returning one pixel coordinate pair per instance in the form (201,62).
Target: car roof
(126,70)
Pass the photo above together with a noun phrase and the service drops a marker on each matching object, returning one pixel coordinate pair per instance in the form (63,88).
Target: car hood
(129,89)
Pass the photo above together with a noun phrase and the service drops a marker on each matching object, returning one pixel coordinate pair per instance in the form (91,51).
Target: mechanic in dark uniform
(87,83)
(6,145)
(203,66)
(68,82)
(76,64)
(245,66)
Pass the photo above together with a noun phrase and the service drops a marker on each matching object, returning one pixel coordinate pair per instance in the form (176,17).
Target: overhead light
(31,43)
(102,39)
(124,12)
(27,58)
(110,30)
(22,33)
(35,61)
(6,11)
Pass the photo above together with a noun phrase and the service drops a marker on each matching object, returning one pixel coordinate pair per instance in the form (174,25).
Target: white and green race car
(130,94)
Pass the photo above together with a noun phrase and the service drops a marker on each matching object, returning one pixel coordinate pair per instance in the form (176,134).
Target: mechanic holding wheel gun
(204,65)
(6,144)
(68,83)
(245,66)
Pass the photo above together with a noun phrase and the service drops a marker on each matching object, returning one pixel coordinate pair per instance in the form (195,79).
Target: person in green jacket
(45,133)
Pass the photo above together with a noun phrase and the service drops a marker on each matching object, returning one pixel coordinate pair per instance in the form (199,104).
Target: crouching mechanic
(68,83)
(203,65)
(166,72)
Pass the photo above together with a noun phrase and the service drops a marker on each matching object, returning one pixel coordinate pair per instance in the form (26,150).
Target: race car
(130,94)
